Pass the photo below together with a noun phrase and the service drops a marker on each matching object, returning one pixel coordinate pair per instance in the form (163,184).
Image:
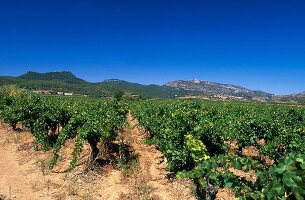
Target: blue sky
(259,44)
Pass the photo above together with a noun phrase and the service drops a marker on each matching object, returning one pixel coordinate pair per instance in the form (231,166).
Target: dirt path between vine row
(152,170)
(21,172)
(24,174)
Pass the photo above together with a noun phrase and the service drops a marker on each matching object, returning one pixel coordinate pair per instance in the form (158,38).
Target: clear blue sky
(259,44)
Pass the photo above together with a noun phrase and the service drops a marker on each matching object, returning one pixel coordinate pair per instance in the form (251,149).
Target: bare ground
(24,173)
(151,170)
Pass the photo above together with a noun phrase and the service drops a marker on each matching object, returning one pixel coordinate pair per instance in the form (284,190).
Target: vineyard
(256,151)
(54,120)
(216,143)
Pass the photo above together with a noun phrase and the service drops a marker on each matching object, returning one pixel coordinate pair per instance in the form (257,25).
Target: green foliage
(85,120)
(191,134)
(64,76)
(187,132)
(67,82)
(284,180)
(196,148)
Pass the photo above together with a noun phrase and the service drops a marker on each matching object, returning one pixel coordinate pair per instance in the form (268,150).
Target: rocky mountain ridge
(226,91)
(66,81)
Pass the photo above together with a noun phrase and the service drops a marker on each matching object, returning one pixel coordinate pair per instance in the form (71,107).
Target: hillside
(219,90)
(65,76)
(302,94)
(115,86)
(66,81)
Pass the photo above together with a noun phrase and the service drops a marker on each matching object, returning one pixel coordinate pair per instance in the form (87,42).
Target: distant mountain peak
(196,88)
(217,89)
(113,80)
(198,81)
(302,94)
(54,72)
(65,76)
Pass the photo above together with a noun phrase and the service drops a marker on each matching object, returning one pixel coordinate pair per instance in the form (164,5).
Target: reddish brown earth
(24,173)
(152,169)
(251,151)
(225,194)
(233,145)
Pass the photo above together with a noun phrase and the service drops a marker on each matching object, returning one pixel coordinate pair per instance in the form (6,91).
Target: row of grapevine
(53,120)
(195,136)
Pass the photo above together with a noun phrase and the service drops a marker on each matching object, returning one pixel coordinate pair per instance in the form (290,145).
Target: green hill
(158,91)
(64,76)
(65,81)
